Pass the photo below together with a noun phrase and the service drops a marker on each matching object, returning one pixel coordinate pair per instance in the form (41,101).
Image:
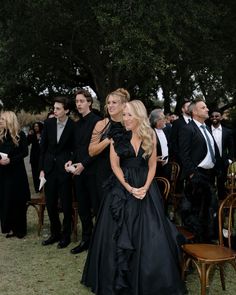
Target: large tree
(51,46)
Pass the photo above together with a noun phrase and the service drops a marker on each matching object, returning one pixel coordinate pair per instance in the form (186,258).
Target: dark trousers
(86,193)
(58,188)
(222,192)
(200,216)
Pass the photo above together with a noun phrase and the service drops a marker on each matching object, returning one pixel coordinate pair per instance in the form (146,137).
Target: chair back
(164,186)
(175,170)
(231,178)
(227,220)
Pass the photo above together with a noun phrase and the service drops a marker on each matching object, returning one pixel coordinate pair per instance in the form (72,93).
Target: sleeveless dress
(134,248)
(103,159)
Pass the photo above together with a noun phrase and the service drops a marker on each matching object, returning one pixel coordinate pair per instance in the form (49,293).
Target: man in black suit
(157,121)
(224,140)
(200,159)
(84,173)
(56,149)
(177,126)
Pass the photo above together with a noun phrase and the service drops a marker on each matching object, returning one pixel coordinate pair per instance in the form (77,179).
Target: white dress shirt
(163,143)
(206,163)
(60,128)
(217,134)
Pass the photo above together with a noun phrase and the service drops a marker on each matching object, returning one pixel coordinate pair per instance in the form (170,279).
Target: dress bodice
(126,152)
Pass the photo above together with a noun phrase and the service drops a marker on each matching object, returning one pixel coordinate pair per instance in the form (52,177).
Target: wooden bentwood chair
(231,178)
(205,256)
(39,205)
(164,186)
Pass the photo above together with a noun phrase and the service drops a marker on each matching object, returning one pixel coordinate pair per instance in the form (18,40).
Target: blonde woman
(14,187)
(102,133)
(134,249)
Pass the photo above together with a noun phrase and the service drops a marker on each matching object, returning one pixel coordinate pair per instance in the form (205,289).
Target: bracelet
(132,190)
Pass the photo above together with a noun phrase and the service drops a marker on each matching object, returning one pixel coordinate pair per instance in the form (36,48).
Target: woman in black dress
(14,187)
(134,249)
(102,133)
(34,138)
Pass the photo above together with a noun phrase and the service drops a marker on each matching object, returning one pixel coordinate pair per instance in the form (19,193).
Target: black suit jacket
(193,148)
(53,154)
(227,146)
(177,126)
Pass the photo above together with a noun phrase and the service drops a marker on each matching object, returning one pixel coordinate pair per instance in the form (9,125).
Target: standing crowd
(110,165)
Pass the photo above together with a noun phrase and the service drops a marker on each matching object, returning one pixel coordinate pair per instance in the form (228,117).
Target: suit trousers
(87,196)
(59,188)
(201,214)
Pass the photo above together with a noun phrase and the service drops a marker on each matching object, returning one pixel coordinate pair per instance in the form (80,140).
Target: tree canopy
(49,47)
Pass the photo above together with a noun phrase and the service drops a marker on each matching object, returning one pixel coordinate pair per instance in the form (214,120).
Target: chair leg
(203,279)
(222,277)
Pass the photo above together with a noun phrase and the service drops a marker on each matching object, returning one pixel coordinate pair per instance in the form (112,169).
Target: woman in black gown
(103,130)
(134,250)
(14,187)
(34,138)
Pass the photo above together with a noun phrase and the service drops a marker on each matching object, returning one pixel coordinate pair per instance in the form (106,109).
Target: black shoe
(63,243)
(83,246)
(10,235)
(51,240)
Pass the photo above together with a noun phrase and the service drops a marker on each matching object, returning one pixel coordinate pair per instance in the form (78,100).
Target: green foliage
(49,47)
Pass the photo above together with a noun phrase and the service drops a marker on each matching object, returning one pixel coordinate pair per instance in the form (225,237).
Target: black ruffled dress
(134,248)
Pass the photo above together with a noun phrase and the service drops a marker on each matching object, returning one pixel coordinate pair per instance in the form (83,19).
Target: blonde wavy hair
(145,131)
(12,127)
(122,93)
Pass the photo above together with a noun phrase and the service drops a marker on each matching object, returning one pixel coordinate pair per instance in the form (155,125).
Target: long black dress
(103,159)
(34,158)
(14,187)
(134,247)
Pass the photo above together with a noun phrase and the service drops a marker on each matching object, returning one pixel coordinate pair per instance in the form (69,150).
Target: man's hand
(78,168)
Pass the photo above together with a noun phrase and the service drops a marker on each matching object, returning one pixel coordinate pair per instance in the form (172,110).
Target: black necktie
(209,144)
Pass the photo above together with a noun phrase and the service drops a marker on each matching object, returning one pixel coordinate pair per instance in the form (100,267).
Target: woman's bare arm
(96,146)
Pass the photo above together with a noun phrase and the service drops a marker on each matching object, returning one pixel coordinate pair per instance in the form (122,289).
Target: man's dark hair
(64,101)
(86,94)
(216,111)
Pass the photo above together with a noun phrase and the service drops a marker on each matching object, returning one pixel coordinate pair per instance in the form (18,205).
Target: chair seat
(209,253)
(187,234)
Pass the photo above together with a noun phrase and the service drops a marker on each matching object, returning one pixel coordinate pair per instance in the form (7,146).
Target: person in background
(224,140)
(14,186)
(177,126)
(56,148)
(134,248)
(173,117)
(34,138)
(157,121)
(100,142)
(50,114)
(84,172)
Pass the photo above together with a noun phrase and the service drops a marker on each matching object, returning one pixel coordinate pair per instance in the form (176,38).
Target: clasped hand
(78,168)
(139,193)
(4,161)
